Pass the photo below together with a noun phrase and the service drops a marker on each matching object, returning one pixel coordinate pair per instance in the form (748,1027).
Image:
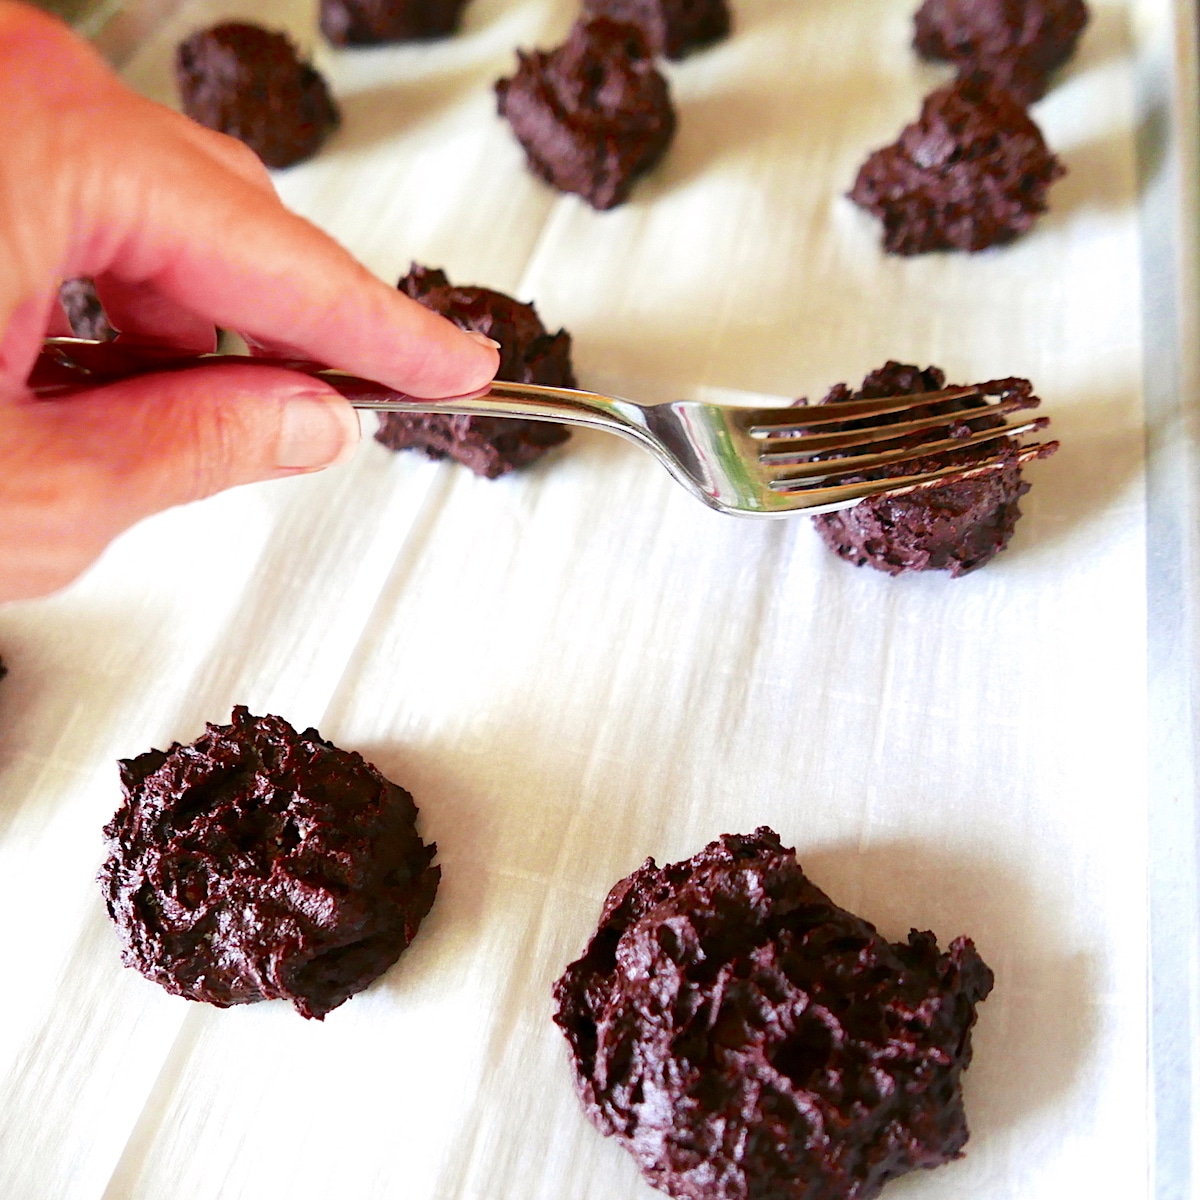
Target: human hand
(182,231)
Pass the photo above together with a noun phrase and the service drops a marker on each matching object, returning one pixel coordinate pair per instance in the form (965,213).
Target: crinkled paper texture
(579,666)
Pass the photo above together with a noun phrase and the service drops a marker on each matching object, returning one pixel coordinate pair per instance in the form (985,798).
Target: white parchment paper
(580,666)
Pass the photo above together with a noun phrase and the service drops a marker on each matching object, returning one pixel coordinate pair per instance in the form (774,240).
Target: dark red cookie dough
(953,527)
(490,446)
(672,27)
(744,1037)
(84,310)
(366,22)
(971,172)
(259,863)
(1015,43)
(593,114)
(246,81)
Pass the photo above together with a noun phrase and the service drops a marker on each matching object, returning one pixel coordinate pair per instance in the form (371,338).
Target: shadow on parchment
(376,114)
(1106,38)
(1039,1025)
(1090,184)
(463,810)
(729,124)
(1034,1033)
(57,681)
(1099,458)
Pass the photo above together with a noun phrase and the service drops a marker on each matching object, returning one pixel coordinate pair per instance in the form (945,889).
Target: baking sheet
(581,666)
(1169,144)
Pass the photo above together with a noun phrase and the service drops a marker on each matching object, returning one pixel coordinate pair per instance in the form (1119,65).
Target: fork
(763,462)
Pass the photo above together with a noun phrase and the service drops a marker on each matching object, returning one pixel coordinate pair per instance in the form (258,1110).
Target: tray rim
(1168,111)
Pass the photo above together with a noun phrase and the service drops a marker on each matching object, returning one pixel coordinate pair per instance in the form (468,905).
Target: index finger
(234,255)
(159,209)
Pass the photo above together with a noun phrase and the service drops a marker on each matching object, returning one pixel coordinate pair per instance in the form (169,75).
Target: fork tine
(775,422)
(800,457)
(839,495)
(825,443)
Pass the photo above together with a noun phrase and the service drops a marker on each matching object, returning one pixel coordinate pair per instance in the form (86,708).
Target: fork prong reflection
(786,467)
(774,422)
(805,448)
(808,495)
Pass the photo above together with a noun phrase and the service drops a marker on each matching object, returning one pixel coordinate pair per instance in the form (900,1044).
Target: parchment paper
(580,666)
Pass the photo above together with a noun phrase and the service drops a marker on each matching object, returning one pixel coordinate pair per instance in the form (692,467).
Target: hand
(182,231)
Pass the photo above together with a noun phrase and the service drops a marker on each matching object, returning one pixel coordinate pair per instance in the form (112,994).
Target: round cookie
(592,114)
(370,22)
(259,863)
(971,172)
(1015,43)
(672,27)
(743,1036)
(529,353)
(248,82)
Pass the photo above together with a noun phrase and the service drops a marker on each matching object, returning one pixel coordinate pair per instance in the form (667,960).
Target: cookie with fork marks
(956,526)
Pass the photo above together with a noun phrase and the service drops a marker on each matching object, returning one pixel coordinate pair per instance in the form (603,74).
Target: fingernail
(317,430)
(482,339)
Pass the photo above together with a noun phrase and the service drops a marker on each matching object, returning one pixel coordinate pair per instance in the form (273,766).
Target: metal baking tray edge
(1168,113)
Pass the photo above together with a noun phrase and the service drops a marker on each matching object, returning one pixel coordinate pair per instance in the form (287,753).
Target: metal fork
(764,462)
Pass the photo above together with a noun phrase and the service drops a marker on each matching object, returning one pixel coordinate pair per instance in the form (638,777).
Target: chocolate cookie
(672,27)
(366,22)
(84,310)
(953,527)
(971,172)
(262,864)
(490,446)
(743,1036)
(248,82)
(1015,43)
(593,114)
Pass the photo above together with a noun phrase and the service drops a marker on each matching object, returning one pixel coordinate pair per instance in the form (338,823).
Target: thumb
(76,472)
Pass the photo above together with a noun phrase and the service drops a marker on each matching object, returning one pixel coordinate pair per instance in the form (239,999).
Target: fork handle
(534,402)
(66,365)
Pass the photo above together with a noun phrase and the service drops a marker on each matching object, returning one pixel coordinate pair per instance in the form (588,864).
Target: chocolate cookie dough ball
(259,863)
(1015,43)
(248,82)
(593,114)
(490,446)
(952,527)
(744,1037)
(366,22)
(672,27)
(971,172)
(84,310)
